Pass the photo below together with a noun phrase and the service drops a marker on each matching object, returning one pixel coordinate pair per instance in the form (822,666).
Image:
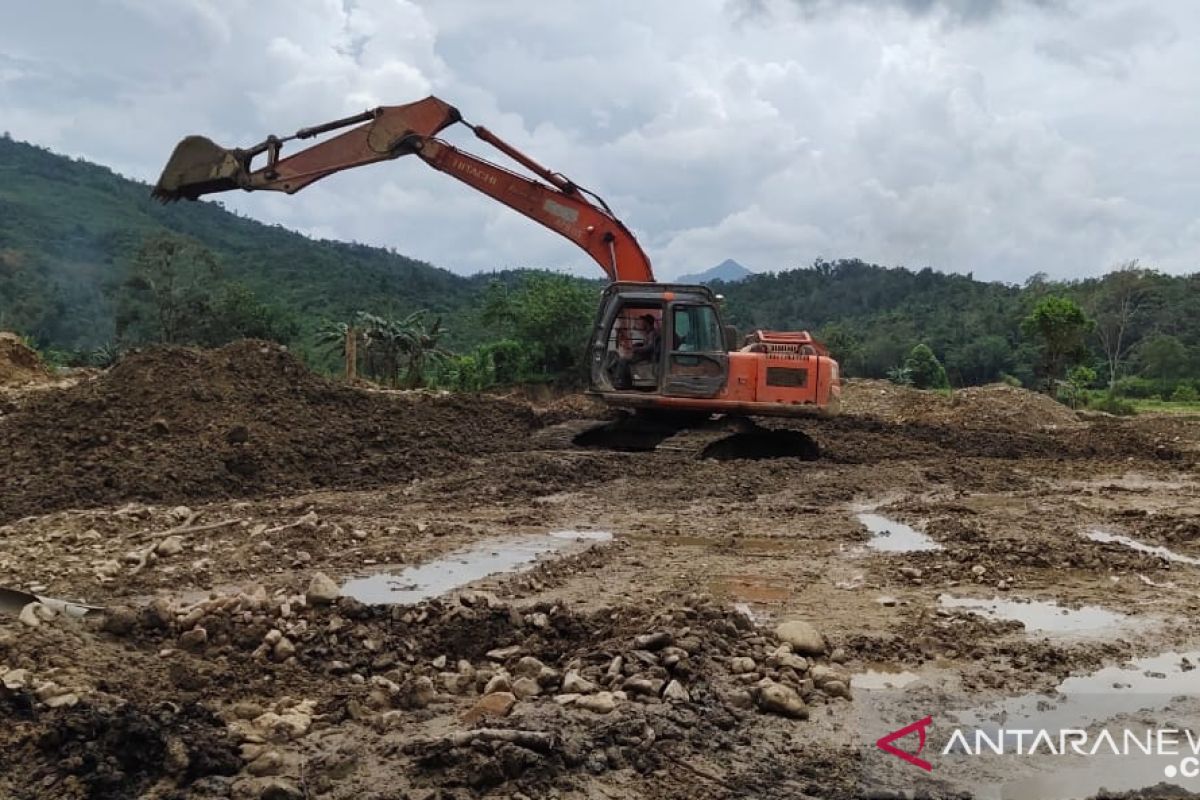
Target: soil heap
(996,405)
(248,419)
(18,364)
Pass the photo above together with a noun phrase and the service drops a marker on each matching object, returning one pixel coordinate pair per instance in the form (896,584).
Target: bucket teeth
(199,166)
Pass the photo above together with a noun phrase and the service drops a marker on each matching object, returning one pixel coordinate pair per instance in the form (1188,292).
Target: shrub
(1184,393)
(925,370)
(901,376)
(1112,404)
(1134,386)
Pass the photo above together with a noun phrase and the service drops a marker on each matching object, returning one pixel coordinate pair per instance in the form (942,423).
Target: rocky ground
(700,629)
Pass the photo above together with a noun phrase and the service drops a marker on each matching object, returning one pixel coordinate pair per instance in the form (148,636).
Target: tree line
(1131,333)
(1136,329)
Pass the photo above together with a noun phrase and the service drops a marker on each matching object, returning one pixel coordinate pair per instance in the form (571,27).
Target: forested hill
(871,316)
(69,230)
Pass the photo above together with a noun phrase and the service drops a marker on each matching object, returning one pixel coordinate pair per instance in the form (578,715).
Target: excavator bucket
(199,166)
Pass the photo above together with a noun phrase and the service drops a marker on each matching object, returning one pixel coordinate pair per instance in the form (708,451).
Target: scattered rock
(524,688)
(423,691)
(268,762)
(739,698)
(822,674)
(529,667)
(802,636)
(270,789)
(119,620)
(158,614)
(779,699)
(454,682)
(504,653)
(676,693)
(836,689)
(498,683)
(15,679)
(495,704)
(792,661)
(599,703)
(653,641)
(741,664)
(33,614)
(283,649)
(170,546)
(109,568)
(55,696)
(193,640)
(246,709)
(322,590)
(573,682)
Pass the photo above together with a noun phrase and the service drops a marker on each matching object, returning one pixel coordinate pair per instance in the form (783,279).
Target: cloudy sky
(999,137)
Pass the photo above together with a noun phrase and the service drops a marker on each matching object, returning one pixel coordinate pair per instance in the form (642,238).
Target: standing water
(453,571)
(889,536)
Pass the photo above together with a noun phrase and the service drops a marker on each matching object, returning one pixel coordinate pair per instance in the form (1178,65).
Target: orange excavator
(659,352)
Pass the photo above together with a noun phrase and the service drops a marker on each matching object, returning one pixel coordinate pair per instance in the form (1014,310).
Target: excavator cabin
(696,362)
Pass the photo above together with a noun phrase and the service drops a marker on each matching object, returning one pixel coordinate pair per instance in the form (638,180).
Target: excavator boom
(660,350)
(198,167)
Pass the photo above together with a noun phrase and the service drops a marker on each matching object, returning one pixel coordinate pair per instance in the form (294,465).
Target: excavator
(659,353)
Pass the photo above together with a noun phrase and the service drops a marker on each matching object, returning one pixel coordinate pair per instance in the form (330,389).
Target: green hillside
(69,229)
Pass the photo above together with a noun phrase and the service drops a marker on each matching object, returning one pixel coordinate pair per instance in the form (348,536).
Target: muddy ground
(214,502)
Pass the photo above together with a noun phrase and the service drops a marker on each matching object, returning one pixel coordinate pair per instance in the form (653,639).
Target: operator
(648,350)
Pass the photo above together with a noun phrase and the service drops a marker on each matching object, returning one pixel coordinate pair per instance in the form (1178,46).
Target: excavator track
(562,436)
(724,439)
(748,442)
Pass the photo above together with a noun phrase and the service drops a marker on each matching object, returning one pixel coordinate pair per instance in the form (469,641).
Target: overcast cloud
(999,137)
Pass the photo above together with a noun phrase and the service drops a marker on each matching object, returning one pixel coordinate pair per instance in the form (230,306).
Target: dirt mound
(996,405)
(174,424)
(19,364)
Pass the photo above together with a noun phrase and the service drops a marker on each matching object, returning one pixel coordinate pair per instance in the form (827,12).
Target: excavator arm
(199,167)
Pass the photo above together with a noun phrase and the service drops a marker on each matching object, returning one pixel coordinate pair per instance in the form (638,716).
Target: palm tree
(341,339)
(420,347)
(382,345)
(390,347)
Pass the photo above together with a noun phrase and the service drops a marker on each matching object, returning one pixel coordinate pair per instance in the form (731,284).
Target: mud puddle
(1147,694)
(1105,537)
(1142,684)
(889,536)
(752,589)
(493,557)
(1040,616)
(879,677)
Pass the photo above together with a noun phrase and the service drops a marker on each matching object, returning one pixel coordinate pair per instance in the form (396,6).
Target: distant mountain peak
(728,270)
